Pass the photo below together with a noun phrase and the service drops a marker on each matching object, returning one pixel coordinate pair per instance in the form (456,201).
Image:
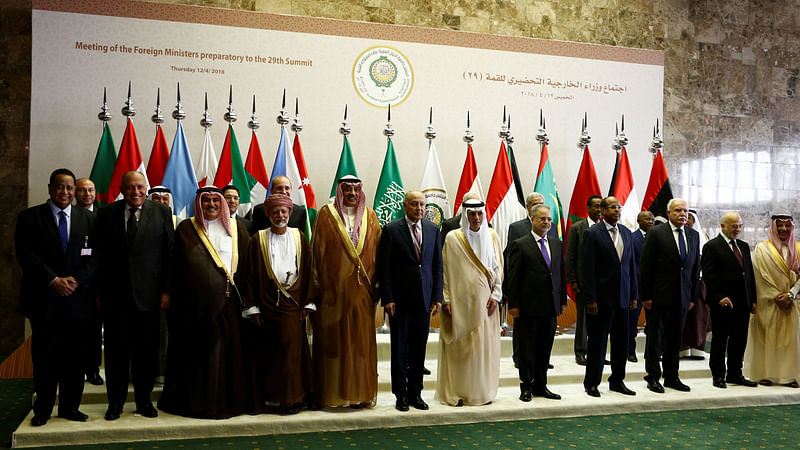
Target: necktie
(417,239)
(617,242)
(545,255)
(62,229)
(737,253)
(681,244)
(131,231)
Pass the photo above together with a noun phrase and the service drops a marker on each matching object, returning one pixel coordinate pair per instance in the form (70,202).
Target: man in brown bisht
(205,376)
(344,256)
(274,286)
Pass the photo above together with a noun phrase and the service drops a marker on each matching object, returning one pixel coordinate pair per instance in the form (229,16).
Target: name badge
(86,252)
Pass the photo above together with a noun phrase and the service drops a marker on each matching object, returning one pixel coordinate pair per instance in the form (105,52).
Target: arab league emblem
(383,76)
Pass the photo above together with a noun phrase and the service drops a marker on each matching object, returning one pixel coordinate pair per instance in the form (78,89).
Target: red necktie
(737,253)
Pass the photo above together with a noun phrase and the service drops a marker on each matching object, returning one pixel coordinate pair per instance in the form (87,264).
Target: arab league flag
(437,205)
(231,170)
(658,192)
(129,159)
(179,175)
(346,166)
(586,185)
(256,172)
(207,164)
(305,185)
(158,158)
(285,165)
(502,206)
(546,185)
(390,194)
(624,190)
(469,181)
(103,166)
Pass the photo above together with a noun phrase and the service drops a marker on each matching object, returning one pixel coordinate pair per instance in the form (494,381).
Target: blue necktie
(544,251)
(62,229)
(681,244)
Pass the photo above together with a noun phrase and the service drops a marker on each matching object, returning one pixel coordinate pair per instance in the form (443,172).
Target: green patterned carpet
(760,427)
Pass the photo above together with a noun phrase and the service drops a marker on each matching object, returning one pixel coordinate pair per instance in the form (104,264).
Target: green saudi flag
(389,196)
(346,166)
(103,166)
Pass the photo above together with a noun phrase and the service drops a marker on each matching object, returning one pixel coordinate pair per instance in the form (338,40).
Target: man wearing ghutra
(344,251)
(205,376)
(772,354)
(274,286)
(163,195)
(469,342)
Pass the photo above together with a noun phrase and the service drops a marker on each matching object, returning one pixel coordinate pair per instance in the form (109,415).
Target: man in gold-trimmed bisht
(205,376)
(344,259)
(274,285)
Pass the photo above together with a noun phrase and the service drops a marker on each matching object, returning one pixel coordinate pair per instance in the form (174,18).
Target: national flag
(515,174)
(502,207)
(255,171)
(158,158)
(623,189)
(546,185)
(469,181)
(390,194)
(231,170)
(305,185)
(179,175)
(658,192)
(346,166)
(130,158)
(286,165)
(586,185)
(207,164)
(437,205)
(103,166)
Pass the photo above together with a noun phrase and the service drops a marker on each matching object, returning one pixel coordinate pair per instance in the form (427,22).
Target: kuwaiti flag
(346,166)
(502,207)
(546,185)
(256,172)
(286,165)
(305,185)
(130,158)
(469,181)
(159,156)
(231,170)
(586,185)
(207,164)
(658,192)
(389,197)
(179,175)
(103,166)
(623,189)
(437,205)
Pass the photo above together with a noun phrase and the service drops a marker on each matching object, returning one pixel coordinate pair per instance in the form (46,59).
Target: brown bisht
(277,352)
(205,375)
(344,349)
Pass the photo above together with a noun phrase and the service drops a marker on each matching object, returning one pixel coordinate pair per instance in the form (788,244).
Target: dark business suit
(574,239)
(611,283)
(413,284)
(450,224)
(725,277)
(516,230)
(132,278)
(637,239)
(60,325)
(671,284)
(297,219)
(539,292)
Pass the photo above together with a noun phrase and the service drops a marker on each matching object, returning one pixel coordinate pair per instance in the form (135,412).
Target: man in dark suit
(297,219)
(610,287)
(54,250)
(574,239)
(645,220)
(135,245)
(537,295)
(731,296)
(410,283)
(669,273)
(231,195)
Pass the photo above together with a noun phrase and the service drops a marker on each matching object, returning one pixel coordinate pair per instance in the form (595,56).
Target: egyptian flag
(659,192)
(502,207)
(623,189)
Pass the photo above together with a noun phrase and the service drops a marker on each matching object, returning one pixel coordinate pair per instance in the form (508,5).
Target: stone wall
(731,73)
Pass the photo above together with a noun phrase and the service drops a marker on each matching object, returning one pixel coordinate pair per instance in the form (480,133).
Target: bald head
(645,219)
(281,185)
(84,192)
(414,204)
(133,188)
(730,225)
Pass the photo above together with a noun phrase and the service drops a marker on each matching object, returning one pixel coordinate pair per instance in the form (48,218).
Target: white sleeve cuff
(250,311)
(311,307)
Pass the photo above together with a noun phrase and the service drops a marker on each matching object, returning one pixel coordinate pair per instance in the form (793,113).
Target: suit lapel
(51,228)
(405,233)
(144,219)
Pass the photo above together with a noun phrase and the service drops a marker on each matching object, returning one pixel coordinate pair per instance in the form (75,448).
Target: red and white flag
(625,191)
(159,157)
(502,206)
(129,158)
(207,164)
(469,181)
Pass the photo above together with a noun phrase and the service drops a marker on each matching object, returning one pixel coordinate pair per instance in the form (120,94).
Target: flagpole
(105,114)
(388,131)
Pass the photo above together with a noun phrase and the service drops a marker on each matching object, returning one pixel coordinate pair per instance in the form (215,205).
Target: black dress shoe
(633,358)
(39,420)
(621,388)
(401,404)
(94,378)
(741,380)
(720,383)
(655,386)
(546,393)
(592,391)
(549,366)
(580,360)
(525,393)
(146,410)
(74,415)
(418,403)
(113,412)
(426,371)
(677,384)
